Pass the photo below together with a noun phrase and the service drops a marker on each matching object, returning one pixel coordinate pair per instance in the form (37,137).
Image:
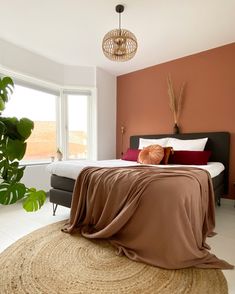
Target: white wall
(36,176)
(83,76)
(25,62)
(106,114)
(21,61)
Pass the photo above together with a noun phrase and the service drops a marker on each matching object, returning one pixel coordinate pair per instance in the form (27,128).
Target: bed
(159,216)
(218,142)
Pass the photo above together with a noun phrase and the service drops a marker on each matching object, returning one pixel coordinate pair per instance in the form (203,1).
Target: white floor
(15,223)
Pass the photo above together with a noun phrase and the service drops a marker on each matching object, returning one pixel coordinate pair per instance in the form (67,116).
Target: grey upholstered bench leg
(54,208)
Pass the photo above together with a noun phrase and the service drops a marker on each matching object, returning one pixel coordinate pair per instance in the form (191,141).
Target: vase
(176,129)
(59,155)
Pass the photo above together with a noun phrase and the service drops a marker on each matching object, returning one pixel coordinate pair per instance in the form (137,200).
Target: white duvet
(72,168)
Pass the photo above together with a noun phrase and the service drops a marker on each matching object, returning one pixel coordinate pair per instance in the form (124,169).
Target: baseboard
(228,202)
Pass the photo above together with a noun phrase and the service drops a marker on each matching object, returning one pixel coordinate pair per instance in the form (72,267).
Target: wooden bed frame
(218,143)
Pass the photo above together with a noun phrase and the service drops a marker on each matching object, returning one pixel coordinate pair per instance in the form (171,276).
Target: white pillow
(146,142)
(191,145)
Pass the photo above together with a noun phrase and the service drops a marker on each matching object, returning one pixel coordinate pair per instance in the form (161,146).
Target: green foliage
(24,127)
(11,192)
(34,200)
(13,136)
(6,89)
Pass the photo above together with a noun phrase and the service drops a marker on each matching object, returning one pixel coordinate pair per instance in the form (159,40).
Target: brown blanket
(154,215)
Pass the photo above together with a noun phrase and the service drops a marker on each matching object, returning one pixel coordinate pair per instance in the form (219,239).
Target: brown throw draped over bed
(154,215)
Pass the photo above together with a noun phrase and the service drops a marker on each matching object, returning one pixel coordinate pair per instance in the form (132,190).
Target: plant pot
(59,155)
(176,129)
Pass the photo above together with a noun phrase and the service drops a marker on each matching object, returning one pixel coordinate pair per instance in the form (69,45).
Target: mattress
(71,168)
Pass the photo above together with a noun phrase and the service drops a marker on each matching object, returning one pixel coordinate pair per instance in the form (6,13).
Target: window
(77,125)
(40,107)
(62,119)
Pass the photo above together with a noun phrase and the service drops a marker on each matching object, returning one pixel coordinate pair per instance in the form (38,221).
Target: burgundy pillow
(190,157)
(131,154)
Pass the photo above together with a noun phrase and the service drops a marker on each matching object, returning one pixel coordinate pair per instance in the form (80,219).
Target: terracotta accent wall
(209,105)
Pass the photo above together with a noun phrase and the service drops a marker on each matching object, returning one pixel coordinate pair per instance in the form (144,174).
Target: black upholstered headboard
(218,143)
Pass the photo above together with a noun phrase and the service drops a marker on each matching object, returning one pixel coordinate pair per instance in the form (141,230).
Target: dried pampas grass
(176,102)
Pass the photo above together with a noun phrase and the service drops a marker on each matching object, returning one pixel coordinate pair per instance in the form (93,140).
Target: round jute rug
(52,262)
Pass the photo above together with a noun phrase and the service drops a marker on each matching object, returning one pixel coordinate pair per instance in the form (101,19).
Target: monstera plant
(13,135)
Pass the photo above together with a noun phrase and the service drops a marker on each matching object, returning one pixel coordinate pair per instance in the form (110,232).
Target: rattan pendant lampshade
(119,44)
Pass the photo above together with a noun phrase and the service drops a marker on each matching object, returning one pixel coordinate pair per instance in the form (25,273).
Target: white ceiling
(71,31)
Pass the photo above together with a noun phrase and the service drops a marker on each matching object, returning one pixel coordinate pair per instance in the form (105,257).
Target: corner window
(62,119)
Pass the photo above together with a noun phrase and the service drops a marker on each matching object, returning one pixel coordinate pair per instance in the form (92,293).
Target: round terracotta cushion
(152,154)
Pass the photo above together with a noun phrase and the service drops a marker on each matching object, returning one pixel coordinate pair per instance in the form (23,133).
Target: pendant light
(119,44)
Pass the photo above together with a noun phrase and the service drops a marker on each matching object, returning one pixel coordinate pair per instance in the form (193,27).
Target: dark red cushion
(190,157)
(131,154)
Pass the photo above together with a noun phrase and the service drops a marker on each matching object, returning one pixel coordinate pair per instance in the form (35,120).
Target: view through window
(40,107)
(50,114)
(78,106)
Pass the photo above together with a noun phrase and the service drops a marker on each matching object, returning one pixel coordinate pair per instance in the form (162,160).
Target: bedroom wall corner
(106,114)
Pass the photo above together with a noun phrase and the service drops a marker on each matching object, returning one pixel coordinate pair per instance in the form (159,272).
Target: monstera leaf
(10,193)
(6,88)
(25,127)
(11,172)
(15,149)
(11,128)
(35,200)
(2,104)
(2,128)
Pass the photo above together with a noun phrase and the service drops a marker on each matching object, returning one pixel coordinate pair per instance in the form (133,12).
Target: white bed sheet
(72,168)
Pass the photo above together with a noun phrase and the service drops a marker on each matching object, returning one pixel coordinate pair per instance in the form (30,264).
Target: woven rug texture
(48,261)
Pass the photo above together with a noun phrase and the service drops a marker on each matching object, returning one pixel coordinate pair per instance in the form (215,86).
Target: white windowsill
(30,163)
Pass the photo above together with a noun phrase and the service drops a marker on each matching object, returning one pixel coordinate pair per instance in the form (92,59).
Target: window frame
(62,113)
